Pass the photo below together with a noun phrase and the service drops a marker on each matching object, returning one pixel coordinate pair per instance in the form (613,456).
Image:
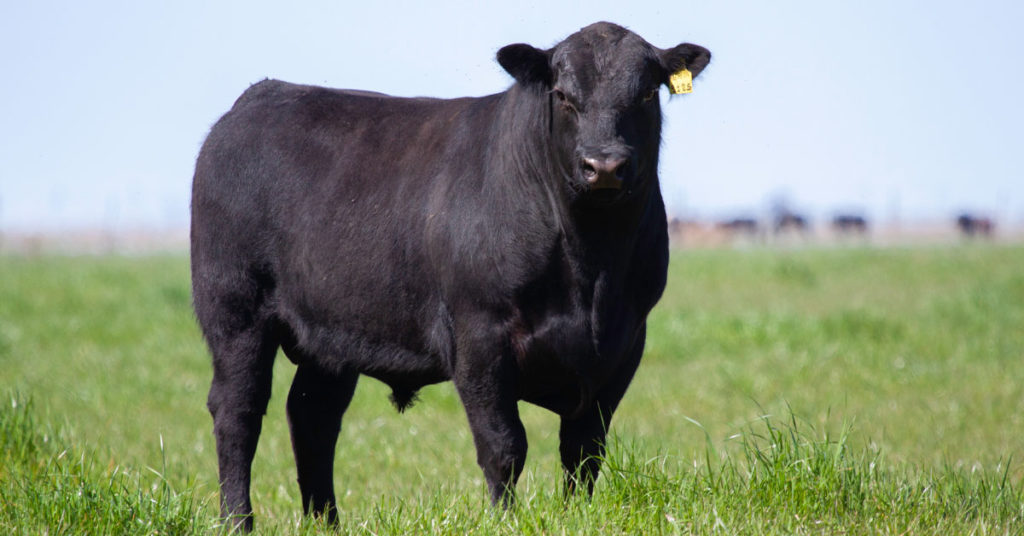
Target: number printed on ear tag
(681,82)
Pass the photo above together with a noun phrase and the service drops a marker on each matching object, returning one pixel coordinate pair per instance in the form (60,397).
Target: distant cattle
(971,225)
(740,230)
(790,221)
(512,243)
(850,224)
(739,226)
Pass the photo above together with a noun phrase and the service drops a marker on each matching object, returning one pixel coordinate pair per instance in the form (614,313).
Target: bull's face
(602,87)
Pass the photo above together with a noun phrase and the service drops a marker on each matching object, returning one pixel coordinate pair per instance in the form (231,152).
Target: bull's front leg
(486,380)
(582,445)
(582,437)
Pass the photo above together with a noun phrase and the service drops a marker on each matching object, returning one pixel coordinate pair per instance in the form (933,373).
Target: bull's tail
(403,399)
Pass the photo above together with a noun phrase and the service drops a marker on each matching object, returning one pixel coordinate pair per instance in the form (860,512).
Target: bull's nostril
(617,166)
(603,172)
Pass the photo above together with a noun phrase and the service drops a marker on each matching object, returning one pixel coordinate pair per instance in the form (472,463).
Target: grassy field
(811,391)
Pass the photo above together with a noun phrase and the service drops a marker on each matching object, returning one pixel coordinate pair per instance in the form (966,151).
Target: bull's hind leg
(242,368)
(232,309)
(316,403)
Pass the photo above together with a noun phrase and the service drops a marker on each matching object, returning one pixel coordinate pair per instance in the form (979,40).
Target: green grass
(46,487)
(812,391)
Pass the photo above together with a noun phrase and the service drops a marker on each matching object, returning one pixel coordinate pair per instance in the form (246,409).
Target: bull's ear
(526,64)
(693,58)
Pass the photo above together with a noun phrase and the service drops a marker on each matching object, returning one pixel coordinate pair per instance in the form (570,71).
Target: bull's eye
(564,100)
(653,94)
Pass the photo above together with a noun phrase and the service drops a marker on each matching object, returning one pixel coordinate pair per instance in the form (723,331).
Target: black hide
(512,243)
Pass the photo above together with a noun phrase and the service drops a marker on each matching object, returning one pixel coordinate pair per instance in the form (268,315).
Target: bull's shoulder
(649,269)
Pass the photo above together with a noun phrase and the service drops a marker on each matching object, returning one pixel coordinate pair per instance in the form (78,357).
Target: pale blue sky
(893,107)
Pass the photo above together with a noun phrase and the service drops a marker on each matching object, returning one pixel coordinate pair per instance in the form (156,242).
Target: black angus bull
(512,243)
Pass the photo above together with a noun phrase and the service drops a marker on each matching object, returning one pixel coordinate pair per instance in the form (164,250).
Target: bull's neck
(524,140)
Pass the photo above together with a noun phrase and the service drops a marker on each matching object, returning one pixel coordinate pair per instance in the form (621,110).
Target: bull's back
(280,136)
(294,163)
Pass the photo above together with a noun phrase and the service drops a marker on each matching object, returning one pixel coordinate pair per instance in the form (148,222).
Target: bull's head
(602,86)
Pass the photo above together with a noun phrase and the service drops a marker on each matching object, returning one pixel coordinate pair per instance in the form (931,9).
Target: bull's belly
(565,400)
(340,346)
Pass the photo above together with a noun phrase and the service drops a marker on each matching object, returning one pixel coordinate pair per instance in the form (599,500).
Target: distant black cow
(512,243)
(971,225)
(738,226)
(790,221)
(850,224)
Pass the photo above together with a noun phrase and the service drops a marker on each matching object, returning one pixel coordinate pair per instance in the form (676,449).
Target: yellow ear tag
(681,82)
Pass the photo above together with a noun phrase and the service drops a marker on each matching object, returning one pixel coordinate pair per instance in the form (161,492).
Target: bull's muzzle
(603,173)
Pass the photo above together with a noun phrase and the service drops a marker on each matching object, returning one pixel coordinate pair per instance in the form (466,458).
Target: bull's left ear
(693,58)
(526,64)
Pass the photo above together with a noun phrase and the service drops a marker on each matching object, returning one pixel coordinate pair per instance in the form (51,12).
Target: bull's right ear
(686,56)
(526,64)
